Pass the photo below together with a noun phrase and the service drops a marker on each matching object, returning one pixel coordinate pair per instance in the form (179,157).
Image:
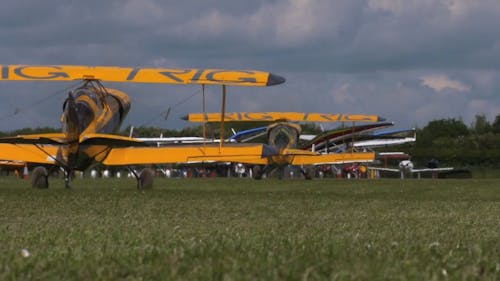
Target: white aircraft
(406,167)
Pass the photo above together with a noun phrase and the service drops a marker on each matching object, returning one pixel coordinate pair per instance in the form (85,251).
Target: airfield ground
(240,229)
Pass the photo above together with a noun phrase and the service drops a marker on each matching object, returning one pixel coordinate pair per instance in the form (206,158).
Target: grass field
(240,229)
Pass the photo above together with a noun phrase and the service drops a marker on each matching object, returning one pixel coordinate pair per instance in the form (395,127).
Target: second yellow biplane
(93,113)
(284,132)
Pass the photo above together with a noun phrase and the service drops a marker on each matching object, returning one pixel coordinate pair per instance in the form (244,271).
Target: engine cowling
(283,135)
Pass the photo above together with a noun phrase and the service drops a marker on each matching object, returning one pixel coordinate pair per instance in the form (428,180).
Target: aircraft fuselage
(90,109)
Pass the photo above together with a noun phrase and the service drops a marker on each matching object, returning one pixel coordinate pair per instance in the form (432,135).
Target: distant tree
(495,127)
(481,125)
(443,128)
(30,131)
(311,128)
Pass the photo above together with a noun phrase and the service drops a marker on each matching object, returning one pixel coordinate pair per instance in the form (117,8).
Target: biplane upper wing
(336,135)
(373,143)
(282,116)
(139,75)
(385,138)
(401,133)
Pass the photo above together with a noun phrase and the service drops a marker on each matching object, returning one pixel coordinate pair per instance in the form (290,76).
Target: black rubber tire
(257,172)
(146,178)
(308,172)
(40,178)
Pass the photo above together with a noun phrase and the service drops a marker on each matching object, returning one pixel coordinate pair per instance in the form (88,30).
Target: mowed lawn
(241,229)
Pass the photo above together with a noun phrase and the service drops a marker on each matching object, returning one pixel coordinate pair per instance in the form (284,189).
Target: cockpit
(87,105)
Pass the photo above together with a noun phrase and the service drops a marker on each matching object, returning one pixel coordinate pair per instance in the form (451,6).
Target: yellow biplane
(283,135)
(92,114)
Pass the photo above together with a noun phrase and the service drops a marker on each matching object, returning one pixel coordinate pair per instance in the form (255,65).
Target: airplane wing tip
(275,80)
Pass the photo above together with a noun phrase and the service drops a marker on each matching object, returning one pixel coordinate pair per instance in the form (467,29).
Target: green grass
(240,229)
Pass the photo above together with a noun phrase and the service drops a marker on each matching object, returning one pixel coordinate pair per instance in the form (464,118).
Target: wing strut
(223,113)
(204,113)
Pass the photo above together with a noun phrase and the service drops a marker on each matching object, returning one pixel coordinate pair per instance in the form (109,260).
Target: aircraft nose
(275,79)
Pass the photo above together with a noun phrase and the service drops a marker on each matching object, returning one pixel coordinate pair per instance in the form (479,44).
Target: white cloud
(343,95)
(300,20)
(213,23)
(440,82)
(355,56)
(287,23)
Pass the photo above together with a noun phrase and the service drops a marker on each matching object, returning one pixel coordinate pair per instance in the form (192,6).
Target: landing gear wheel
(145,179)
(257,172)
(40,178)
(308,173)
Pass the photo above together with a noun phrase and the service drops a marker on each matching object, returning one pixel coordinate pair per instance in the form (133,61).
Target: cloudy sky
(410,61)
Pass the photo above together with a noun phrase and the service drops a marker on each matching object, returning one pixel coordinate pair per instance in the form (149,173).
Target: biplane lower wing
(53,139)
(60,139)
(121,151)
(423,170)
(333,158)
(42,154)
(15,164)
(110,140)
(414,171)
(304,157)
(242,153)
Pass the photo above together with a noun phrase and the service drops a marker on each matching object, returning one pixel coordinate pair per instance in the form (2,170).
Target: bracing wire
(38,102)
(166,113)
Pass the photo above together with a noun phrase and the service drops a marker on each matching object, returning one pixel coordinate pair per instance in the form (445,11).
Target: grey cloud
(361,56)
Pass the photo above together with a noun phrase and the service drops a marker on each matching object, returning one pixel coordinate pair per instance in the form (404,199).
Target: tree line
(450,140)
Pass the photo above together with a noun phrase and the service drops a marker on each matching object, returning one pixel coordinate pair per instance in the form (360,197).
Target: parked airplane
(283,132)
(365,138)
(284,135)
(406,168)
(92,114)
(386,138)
